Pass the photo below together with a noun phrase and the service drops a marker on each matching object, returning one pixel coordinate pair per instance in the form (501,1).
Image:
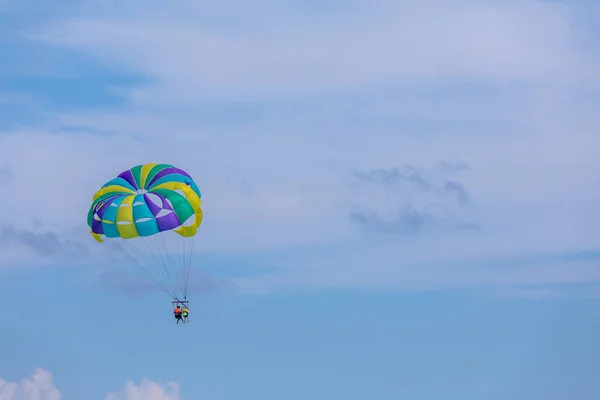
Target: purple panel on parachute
(165,172)
(97,227)
(166,222)
(154,209)
(128,176)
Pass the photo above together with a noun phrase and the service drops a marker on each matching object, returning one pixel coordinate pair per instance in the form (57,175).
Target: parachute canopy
(142,204)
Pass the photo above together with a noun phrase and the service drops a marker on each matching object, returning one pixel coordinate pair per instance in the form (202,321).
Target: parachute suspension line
(163,261)
(146,270)
(189,265)
(170,263)
(144,255)
(184,264)
(180,257)
(141,267)
(169,268)
(149,265)
(184,268)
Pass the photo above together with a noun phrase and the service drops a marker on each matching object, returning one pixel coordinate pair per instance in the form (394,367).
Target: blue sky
(401,198)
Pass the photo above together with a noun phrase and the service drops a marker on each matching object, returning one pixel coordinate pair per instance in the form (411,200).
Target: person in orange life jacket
(177,313)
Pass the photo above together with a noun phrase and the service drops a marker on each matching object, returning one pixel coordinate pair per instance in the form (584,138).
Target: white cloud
(147,390)
(39,385)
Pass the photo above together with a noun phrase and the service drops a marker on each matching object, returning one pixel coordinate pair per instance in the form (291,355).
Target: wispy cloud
(458,191)
(47,246)
(298,136)
(449,167)
(6,174)
(347,49)
(406,221)
(414,199)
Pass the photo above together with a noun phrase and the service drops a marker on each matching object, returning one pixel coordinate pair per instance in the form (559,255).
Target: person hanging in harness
(177,312)
(184,312)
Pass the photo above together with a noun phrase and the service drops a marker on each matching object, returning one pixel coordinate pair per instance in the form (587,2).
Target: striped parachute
(150,214)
